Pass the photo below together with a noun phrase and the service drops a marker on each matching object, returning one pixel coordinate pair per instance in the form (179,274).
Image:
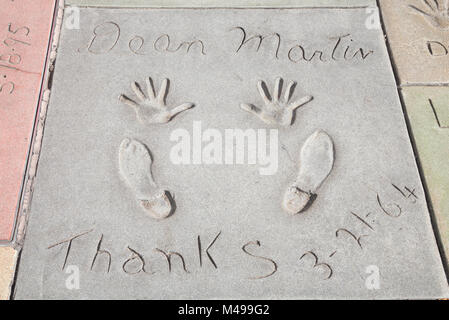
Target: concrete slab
(217,3)
(24,34)
(418,34)
(8,257)
(428,110)
(131,201)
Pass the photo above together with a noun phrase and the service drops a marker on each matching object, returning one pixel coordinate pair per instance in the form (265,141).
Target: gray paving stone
(359,238)
(217,3)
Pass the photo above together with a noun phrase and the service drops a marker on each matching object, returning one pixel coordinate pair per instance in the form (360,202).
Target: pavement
(409,84)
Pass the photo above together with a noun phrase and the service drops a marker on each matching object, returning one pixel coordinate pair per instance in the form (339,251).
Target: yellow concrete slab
(418,34)
(8,258)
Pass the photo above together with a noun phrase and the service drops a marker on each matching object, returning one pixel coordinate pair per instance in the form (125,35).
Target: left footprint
(135,167)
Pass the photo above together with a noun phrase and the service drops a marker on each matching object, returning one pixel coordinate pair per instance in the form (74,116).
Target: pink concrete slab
(25,28)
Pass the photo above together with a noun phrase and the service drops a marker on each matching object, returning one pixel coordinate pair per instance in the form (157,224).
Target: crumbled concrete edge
(27,194)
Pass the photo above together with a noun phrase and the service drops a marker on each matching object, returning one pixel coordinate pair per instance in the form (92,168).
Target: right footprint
(315,163)
(135,167)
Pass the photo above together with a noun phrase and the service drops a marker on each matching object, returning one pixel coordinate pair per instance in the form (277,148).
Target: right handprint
(436,12)
(276,111)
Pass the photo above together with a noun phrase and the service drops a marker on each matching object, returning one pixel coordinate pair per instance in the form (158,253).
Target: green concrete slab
(428,110)
(219,3)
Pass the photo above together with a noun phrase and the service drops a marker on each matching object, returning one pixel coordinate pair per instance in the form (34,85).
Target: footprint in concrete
(315,164)
(135,167)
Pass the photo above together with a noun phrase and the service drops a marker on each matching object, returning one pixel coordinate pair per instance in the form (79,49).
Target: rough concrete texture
(229,236)
(418,33)
(218,3)
(428,111)
(24,32)
(8,257)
